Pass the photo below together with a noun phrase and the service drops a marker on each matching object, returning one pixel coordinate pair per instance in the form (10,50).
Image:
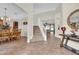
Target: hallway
(21,47)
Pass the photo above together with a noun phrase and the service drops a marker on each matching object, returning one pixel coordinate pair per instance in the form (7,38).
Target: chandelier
(5,17)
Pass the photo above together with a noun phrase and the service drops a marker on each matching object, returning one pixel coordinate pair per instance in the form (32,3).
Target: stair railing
(42,29)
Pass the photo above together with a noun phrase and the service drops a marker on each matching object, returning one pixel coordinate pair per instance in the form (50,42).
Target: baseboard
(35,26)
(24,36)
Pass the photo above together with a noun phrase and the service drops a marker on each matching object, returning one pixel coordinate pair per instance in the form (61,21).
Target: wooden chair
(12,36)
(6,35)
(19,34)
(15,35)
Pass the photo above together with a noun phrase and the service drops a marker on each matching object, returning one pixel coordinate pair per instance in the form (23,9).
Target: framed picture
(24,23)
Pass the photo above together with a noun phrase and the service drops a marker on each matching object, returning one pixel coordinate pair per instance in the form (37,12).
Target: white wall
(20,26)
(58,23)
(23,28)
(66,10)
(45,17)
(28,8)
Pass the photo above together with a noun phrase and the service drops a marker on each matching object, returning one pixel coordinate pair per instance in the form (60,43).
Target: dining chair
(6,35)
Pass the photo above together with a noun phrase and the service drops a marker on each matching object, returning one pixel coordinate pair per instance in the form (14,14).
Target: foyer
(21,47)
(39,29)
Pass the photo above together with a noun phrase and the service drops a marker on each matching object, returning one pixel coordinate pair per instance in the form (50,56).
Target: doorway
(15,25)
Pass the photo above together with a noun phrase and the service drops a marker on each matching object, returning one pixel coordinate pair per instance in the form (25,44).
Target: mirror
(73,19)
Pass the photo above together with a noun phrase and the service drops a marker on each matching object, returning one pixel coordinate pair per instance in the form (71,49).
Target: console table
(68,37)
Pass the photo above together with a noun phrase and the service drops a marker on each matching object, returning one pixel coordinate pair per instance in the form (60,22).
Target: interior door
(15,25)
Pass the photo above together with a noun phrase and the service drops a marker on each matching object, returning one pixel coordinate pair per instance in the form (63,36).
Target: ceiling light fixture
(5,18)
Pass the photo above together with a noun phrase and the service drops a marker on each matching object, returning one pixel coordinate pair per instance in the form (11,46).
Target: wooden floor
(36,47)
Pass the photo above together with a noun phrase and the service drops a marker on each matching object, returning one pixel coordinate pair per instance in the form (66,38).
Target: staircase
(37,35)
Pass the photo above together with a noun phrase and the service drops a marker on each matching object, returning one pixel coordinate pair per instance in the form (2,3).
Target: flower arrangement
(73,32)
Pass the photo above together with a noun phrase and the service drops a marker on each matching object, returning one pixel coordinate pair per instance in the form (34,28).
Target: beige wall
(66,10)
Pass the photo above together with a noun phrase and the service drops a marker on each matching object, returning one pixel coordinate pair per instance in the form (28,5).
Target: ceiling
(44,7)
(13,11)
(16,12)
